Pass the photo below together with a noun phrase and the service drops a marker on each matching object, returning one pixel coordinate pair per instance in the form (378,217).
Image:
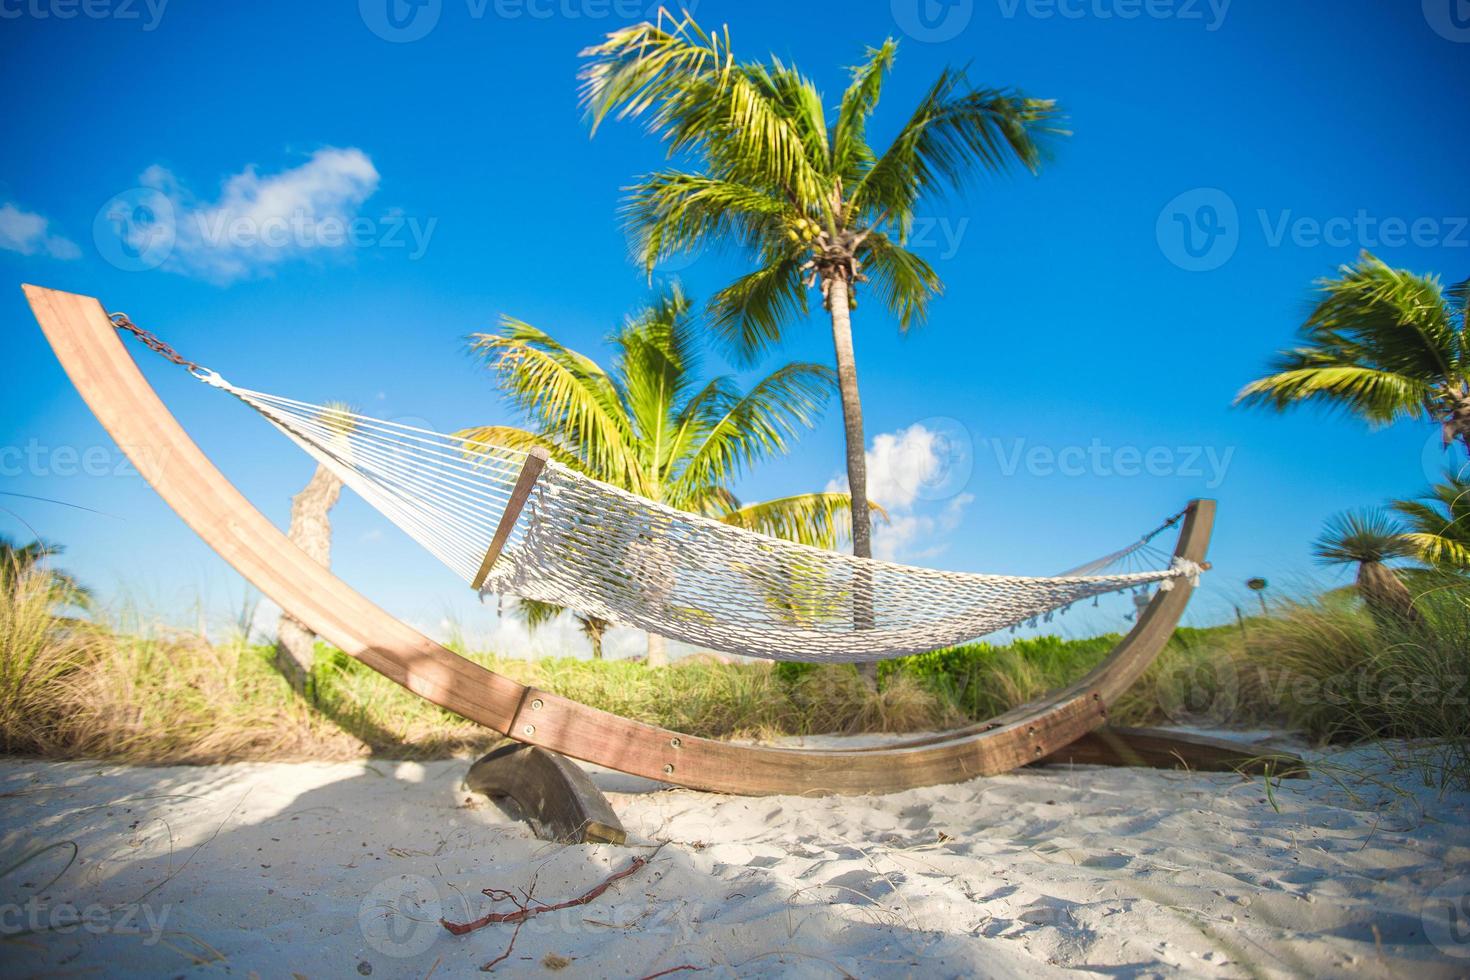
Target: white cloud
(918,536)
(561,637)
(260,221)
(29,234)
(901,465)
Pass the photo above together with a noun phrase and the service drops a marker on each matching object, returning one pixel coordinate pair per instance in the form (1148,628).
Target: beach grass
(87,687)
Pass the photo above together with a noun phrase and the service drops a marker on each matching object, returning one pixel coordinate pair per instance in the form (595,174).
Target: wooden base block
(555,794)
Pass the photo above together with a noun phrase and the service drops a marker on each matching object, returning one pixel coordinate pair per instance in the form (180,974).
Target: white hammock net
(607,553)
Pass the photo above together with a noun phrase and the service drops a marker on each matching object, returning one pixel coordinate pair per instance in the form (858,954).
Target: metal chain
(123,322)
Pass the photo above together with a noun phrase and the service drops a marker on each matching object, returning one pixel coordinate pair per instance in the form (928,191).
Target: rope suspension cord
(607,553)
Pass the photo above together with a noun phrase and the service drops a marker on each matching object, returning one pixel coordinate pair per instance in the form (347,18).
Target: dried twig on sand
(524,910)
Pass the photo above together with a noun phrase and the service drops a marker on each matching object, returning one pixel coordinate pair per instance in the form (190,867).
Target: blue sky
(1081,364)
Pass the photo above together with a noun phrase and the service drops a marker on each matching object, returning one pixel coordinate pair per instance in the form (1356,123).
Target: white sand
(330,870)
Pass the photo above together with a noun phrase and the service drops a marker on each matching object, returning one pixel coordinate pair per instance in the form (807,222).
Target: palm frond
(699,100)
(534,613)
(851,154)
(485,440)
(1390,318)
(750,315)
(1439,523)
(1362,537)
(903,281)
(1380,396)
(955,133)
(574,402)
(823,520)
(738,432)
(671,211)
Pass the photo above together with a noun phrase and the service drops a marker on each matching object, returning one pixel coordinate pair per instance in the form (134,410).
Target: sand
(342,869)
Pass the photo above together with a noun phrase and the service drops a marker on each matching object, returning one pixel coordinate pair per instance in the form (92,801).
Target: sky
(325,200)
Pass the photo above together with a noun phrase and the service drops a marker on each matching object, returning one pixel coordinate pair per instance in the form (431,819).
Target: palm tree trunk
(852,415)
(1388,600)
(857,460)
(594,628)
(657,656)
(311,531)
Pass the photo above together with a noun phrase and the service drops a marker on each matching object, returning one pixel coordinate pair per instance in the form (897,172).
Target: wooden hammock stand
(1068,725)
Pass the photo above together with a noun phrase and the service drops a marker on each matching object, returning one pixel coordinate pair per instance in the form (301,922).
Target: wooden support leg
(555,794)
(1163,749)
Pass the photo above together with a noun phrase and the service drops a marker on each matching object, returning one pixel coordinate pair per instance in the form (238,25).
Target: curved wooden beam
(99,365)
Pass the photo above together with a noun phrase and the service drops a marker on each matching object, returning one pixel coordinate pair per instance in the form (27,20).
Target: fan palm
(812,204)
(653,425)
(1383,343)
(1371,539)
(1439,524)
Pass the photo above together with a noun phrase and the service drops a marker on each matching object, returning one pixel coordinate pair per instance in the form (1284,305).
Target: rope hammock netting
(607,553)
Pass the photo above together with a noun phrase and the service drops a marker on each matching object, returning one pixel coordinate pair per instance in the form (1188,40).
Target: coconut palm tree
(812,204)
(311,531)
(536,614)
(1371,539)
(1439,524)
(654,425)
(1382,343)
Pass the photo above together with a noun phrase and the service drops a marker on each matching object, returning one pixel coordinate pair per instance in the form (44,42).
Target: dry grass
(74,688)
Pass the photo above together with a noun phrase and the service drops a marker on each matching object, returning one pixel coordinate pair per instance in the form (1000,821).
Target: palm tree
(1383,343)
(1439,524)
(1371,539)
(311,531)
(812,204)
(19,562)
(654,426)
(536,614)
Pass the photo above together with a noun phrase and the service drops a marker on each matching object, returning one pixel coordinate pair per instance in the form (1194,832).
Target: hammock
(607,553)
